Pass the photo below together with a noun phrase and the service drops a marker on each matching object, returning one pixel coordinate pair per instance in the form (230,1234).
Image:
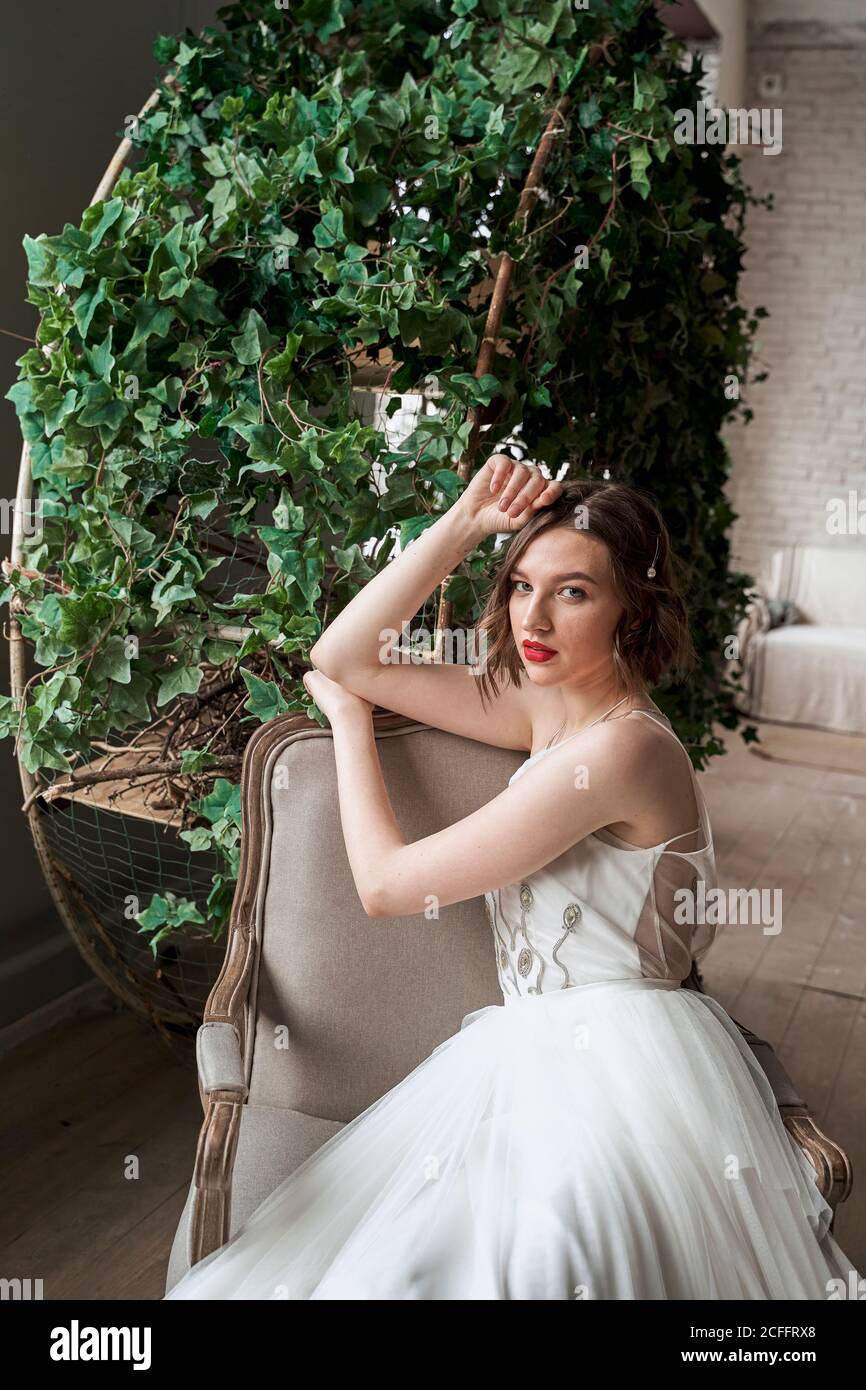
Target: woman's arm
(605,776)
(353,643)
(355,648)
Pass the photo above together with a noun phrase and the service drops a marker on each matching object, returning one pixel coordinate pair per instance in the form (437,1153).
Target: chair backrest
(827,583)
(342,1006)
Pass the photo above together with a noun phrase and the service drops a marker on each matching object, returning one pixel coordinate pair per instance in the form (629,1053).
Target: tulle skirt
(608,1141)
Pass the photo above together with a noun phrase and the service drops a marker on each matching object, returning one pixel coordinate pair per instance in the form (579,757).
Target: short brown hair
(629,524)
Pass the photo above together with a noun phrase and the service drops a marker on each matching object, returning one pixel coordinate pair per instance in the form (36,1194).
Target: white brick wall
(806,262)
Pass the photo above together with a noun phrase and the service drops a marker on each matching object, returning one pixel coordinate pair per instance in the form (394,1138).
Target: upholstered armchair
(318,1010)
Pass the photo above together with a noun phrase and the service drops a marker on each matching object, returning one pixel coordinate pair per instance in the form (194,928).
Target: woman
(604,1134)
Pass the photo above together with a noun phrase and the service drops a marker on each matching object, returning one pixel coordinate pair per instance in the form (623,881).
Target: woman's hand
(333,699)
(504,494)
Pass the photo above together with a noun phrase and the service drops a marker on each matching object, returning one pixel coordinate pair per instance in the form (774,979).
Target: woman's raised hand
(504,494)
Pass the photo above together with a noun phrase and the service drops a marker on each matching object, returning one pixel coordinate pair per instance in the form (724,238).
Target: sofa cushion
(811,675)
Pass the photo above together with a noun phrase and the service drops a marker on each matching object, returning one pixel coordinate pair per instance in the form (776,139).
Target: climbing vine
(319,188)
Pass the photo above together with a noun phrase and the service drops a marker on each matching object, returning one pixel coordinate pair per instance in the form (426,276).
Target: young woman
(604,1133)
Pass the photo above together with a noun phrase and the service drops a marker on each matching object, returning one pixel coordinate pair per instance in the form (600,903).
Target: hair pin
(651,572)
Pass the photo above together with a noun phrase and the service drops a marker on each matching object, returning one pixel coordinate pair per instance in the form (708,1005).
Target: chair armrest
(210,1213)
(831,1163)
(223,1092)
(218,1056)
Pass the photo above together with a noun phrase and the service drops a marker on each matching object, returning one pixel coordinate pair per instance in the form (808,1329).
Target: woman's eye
(523,586)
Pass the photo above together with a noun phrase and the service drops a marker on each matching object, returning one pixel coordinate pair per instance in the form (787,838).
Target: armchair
(317,1010)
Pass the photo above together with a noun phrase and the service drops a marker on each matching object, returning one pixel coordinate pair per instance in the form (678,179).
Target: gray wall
(70,74)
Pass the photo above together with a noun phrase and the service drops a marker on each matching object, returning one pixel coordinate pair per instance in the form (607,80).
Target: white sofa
(810,669)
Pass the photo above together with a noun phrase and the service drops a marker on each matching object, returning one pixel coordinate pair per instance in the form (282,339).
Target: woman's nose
(536,613)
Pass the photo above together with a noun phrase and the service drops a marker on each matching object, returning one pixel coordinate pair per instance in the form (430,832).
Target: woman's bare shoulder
(658,796)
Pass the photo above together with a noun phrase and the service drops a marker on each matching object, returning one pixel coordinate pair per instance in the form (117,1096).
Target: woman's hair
(627,521)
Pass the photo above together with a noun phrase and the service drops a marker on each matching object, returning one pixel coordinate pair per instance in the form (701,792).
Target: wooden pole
(555,127)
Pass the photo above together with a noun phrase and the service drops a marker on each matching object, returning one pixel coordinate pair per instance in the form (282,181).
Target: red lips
(536,651)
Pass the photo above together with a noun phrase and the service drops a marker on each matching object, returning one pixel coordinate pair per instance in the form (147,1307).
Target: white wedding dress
(602,1134)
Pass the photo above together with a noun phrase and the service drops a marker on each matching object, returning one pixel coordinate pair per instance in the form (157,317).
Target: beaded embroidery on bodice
(604,909)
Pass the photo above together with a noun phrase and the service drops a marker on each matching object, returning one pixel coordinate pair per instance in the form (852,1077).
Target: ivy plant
(320,186)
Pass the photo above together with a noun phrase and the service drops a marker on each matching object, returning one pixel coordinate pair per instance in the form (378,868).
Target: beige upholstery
(319,1009)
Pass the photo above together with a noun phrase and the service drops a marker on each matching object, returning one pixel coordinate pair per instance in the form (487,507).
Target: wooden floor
(98,1139)
(101,1097)
(804,990)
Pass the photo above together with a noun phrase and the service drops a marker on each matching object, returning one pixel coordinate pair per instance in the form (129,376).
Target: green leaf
(152,320)
(200,303)
(279,367)
(202,503)
(341,171)
(56,406)
(86,305)
(619,291)
(412,527)
(371,194)
(353,563)
(164,916)
(111,211)
(266,700)
(711,283)
(254,338)
(639,158)
(330,231)
(112,661)
(589,112)
(223,200)
(40,261)
(222,805)
(303,568)
(176,586)
(178,680)
(82,616)
(539,396)
(167,909)
(305,165)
